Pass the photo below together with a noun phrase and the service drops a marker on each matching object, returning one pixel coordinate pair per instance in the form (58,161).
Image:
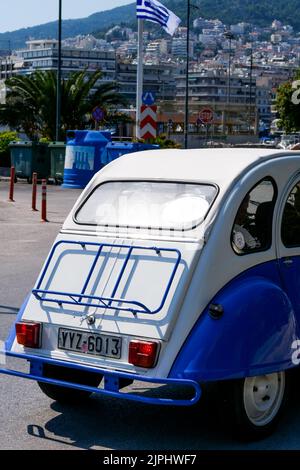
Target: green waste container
(30,157)
(57,156)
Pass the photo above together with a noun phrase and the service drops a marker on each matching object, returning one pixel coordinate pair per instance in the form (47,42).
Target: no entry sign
(206,116)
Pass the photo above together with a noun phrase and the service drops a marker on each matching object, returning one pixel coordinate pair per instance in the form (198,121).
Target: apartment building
(43,55)
(158,78)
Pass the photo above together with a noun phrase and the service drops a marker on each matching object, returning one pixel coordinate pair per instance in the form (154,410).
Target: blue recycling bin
(83,157)
(115,150)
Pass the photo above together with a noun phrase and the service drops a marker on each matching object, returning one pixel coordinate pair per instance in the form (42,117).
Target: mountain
(259,12)
(101,20)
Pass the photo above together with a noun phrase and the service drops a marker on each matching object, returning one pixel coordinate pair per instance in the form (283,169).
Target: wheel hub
(263,396)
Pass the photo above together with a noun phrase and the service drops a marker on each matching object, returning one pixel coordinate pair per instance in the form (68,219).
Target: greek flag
(152,10)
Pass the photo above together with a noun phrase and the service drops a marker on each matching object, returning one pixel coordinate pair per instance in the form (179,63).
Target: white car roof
(219,166)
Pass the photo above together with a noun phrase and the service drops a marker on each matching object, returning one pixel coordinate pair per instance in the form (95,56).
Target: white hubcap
(263,396)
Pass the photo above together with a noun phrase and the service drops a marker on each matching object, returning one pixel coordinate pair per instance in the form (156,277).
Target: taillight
(28,334)
(142,353)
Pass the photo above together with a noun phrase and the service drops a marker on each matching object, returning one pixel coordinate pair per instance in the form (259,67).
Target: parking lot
(30,420)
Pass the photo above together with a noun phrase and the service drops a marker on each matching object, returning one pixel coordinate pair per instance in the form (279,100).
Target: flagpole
(186,111)
(58,77)
(140,77)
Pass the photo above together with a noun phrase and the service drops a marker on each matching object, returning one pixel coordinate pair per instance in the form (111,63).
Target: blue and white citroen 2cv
(174,268)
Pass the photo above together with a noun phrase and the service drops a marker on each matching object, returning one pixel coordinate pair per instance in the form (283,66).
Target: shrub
(5,138)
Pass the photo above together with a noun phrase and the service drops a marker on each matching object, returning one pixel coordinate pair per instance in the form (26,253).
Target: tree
(288,105)
(31,102)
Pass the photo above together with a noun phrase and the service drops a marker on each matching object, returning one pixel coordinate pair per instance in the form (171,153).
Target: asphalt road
(30,420)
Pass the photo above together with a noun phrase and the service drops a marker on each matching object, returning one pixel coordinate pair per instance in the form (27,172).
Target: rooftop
(218,166)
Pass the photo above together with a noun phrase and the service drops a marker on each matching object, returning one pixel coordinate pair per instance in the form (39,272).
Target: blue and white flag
(152,10)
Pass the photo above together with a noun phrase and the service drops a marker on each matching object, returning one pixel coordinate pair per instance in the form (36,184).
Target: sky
(22,13)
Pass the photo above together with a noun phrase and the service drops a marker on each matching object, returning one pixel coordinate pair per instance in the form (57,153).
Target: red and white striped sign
(148,122)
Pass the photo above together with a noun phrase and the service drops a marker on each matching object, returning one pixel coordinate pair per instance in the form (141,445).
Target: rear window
(159,205)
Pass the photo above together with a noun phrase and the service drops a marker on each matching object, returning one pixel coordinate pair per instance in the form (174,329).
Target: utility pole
(186,115)
(230,36)
(250,97)
(58,83)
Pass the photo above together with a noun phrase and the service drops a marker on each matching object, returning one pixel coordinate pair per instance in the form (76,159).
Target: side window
(252,229)
(290,225)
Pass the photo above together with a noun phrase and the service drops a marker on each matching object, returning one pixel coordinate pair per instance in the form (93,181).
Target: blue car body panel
(253,336)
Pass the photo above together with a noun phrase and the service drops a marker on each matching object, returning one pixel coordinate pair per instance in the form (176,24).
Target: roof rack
(111,302)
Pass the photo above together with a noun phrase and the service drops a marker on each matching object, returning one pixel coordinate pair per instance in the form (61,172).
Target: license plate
(89,343)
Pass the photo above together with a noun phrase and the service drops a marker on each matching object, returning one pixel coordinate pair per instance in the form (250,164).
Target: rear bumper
(111,380)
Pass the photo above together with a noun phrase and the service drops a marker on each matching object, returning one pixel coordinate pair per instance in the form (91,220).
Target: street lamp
(230,36)
(250,97)
(58,84)
(186,114)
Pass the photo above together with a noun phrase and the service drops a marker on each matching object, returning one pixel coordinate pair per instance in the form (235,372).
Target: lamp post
(58,83)
(250,97)
(230,36)
(186,114)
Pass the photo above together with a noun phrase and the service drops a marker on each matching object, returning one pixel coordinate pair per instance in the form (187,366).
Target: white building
(238,29)
(209,36)
(157,48)
(179,47)
(43,55)
(276,38)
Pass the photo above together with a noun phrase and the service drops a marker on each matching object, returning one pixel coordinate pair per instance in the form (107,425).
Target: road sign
(148,98)
(206,116)
(98,114)
(148,122)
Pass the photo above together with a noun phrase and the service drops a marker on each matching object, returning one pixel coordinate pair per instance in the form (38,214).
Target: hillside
(260,12)
(71,28)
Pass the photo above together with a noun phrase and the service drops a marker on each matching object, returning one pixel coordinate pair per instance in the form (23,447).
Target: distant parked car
(288,141)
(268,141)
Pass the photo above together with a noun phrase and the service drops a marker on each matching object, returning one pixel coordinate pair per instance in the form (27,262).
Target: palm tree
(31,102)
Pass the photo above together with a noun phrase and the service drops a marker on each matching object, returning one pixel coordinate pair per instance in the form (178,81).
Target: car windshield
(160,205)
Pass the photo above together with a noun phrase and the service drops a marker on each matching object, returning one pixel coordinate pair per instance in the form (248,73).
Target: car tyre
(66,394)
(258,404)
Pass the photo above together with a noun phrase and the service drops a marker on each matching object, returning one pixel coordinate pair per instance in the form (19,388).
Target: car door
(288,242)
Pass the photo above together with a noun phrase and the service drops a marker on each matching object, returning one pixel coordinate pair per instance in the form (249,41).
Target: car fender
(255,335)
